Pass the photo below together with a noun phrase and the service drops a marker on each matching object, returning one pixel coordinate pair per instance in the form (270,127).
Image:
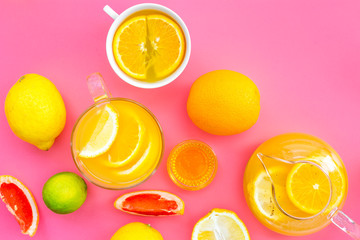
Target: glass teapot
(296,184)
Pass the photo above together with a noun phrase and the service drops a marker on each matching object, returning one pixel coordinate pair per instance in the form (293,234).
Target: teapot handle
(342,221)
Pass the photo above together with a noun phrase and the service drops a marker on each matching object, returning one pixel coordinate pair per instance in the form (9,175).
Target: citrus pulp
(220,224)
(104,134)
(21,203)
(149,47)
(308,188)
(150,203)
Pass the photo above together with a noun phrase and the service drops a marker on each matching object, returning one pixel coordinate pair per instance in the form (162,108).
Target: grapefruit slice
(21,203)
(150,203)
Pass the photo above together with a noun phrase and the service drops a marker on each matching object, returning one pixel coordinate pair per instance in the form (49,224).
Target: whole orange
(224,102)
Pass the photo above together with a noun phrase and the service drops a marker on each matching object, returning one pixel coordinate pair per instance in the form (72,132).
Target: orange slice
(220,224)
(21,203)
(338,179)
(308,188)
(103,135)
(149,47)
(150,203)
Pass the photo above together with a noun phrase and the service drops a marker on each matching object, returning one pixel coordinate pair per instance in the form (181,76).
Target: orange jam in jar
(192,165)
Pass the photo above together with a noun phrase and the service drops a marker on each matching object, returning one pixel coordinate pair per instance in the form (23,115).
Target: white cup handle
(110,12)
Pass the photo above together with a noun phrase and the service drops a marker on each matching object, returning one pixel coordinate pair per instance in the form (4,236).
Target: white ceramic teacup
(119,18)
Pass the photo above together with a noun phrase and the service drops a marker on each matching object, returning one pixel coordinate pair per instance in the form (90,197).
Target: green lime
(64,192)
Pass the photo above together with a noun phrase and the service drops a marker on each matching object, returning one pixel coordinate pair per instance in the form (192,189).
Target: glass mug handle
(97,87)
(342,221)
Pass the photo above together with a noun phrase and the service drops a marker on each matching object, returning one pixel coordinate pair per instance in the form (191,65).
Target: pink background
(303,55)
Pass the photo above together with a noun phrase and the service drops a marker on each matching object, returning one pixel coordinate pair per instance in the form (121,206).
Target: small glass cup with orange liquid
(148,45)
(116,143)
(296,184)
(192,165)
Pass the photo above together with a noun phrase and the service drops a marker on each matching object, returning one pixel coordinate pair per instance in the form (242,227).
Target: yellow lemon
(136,231)
(263,199)
(224,102)
(35,110)
(220,224)
(103,135)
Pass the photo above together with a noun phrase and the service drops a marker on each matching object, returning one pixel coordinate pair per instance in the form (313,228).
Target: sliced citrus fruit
(129,140)
(149,47)
(308,188)
(168,45)
(103,135)
(337,176)
(21,203)
(220,224)
(263,195)
(150,203)
(339,187)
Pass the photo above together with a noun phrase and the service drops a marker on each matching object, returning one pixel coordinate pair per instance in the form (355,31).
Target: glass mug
(296,184)
(116,143)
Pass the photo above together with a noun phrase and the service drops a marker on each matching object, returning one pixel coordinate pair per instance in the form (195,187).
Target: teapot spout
(272,162)
(267,160)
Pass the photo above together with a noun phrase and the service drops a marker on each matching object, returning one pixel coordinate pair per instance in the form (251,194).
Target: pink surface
(303,55)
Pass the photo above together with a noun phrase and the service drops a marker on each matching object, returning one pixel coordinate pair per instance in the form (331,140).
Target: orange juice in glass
(296,184)
(116,143)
